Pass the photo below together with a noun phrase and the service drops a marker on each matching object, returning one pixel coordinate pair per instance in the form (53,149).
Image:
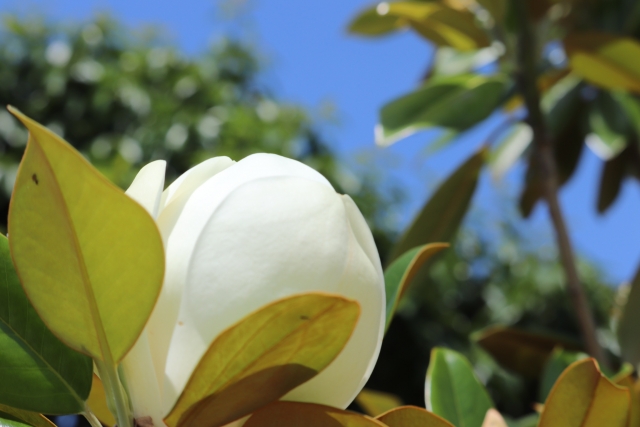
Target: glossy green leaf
(264,356)
(436,21)
(521,351)
(412,416)
(558,361)
(31,418)
(629,325)
(456,102)
(398,276)
(453,391)
(39,373)
(374,402)
(90,259)
(583,397)
(440,217)
(631,106)
(295,414)
(606,60)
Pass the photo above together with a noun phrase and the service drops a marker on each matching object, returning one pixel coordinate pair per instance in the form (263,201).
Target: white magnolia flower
(238,236)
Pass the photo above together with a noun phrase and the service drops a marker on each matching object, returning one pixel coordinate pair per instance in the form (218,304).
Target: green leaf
(441,216)
(452,390)
(90,259)
(31,418)
(295,414)
(556,364)
(605,60)
(631,107)
(609,123)
(411,416)
(39,372)
(582,396)
(456,102)
(629,324)
(398,276)
(264,356)
(374,403)
(521,351)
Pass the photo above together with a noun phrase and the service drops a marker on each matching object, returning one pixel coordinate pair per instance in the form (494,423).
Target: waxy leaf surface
(264,356)
(454,102)
(398,276)
(412,416)
(90,258)
(441,216)
(583,397)
(295,414)
(453,391)
(39,373)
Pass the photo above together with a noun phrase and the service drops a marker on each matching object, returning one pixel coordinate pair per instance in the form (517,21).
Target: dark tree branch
(545,162)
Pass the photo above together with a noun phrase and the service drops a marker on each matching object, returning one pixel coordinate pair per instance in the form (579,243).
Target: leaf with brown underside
(264,356)
(296,414)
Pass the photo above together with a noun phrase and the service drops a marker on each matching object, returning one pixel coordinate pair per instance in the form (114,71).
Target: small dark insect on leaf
(304,317)
(34,178)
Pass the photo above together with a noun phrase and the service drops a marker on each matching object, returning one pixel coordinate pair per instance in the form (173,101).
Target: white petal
(184,232)
(268,239)
(363,281)
(147,186)
(162,321)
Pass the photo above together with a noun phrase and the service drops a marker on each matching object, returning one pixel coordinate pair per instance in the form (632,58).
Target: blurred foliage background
(125,98)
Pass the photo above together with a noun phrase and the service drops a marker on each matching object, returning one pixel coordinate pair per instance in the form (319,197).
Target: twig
(545,161)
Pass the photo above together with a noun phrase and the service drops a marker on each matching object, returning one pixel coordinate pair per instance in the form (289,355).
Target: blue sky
(312,61)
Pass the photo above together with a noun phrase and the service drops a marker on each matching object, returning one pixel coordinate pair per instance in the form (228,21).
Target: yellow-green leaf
(441,216)
(32,418)
(264,356)
(634,391)
(401,272)
(496,8)
(97,403)
(374,402)
(90,258)
(606,60)
(583,397)
(436,21)
(295,414)
(412,416)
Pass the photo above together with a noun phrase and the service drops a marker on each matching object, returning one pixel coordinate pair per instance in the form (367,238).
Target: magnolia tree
(246,293)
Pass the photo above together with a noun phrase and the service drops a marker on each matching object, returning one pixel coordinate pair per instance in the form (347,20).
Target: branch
(545,161)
